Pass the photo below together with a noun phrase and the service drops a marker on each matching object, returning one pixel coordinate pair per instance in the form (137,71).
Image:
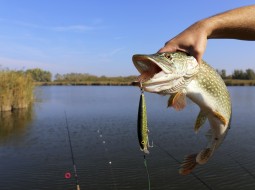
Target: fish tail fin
(204,155)
(188,164)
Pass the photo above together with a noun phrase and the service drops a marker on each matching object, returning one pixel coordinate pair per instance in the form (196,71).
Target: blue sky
(100,36)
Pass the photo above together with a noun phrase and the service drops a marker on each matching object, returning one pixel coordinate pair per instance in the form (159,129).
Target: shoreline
(228,82)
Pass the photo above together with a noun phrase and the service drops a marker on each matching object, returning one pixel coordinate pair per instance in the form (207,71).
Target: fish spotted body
(142,126)
(180,76)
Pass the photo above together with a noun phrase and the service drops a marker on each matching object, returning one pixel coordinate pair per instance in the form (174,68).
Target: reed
(16,90)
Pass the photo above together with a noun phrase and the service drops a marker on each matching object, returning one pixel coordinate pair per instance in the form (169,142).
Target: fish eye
(168,56)
(142,142)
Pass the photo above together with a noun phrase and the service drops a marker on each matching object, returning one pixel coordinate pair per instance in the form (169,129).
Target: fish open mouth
(146,66)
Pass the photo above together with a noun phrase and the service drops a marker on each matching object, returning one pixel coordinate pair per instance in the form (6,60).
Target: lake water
(35,154)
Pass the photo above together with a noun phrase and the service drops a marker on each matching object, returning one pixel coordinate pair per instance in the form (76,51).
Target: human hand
(238,23)
(193,41)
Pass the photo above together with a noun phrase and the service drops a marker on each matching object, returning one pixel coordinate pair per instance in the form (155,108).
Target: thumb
(197,55)
(167,49)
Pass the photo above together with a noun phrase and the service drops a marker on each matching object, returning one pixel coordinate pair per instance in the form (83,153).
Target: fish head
(165,73)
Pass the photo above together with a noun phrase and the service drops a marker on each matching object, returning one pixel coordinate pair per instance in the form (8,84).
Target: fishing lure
(142,126)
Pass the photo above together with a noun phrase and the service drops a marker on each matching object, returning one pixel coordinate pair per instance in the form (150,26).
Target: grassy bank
(237,82)
(87,79)
(16,90)
(89,83)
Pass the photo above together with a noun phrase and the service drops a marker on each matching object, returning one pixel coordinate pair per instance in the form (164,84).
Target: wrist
(208,26)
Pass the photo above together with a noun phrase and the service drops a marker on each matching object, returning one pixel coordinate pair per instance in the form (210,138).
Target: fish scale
(210,82)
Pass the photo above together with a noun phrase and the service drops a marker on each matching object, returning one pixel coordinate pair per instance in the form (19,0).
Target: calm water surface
(35,154)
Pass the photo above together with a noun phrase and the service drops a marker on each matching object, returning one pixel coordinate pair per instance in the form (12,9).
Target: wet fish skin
(142,126)
(181,76)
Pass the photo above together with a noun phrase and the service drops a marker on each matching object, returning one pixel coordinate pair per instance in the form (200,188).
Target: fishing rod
(72,155)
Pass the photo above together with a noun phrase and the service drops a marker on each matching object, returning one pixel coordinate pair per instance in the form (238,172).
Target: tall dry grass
(16,90)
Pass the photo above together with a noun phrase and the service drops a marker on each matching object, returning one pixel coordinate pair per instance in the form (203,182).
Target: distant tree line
(85,77)
(39,75)
(248,74)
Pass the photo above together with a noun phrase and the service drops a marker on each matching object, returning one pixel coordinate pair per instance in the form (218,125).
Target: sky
(99,37)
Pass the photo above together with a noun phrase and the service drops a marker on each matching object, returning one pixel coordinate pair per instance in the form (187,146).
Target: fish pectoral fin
(220,117)
(170,100)
(188,164)
(204,155)
(201,119)
(177,101)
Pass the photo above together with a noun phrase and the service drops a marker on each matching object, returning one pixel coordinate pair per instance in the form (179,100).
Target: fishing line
(108,158)
(147,171)
(238,163)
(241,166)
(192,173)
(72,155)
(144,157)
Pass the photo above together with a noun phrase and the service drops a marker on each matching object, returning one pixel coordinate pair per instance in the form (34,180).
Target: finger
(161,50)
(199,59)
(197,56)
(167,49)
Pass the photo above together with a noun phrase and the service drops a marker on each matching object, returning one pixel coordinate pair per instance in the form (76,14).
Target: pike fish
(180,76)
(142,126)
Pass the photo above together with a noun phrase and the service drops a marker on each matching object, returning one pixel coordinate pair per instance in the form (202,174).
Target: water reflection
(15,122)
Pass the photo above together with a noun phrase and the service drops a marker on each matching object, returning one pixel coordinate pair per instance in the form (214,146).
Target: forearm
(235,24)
